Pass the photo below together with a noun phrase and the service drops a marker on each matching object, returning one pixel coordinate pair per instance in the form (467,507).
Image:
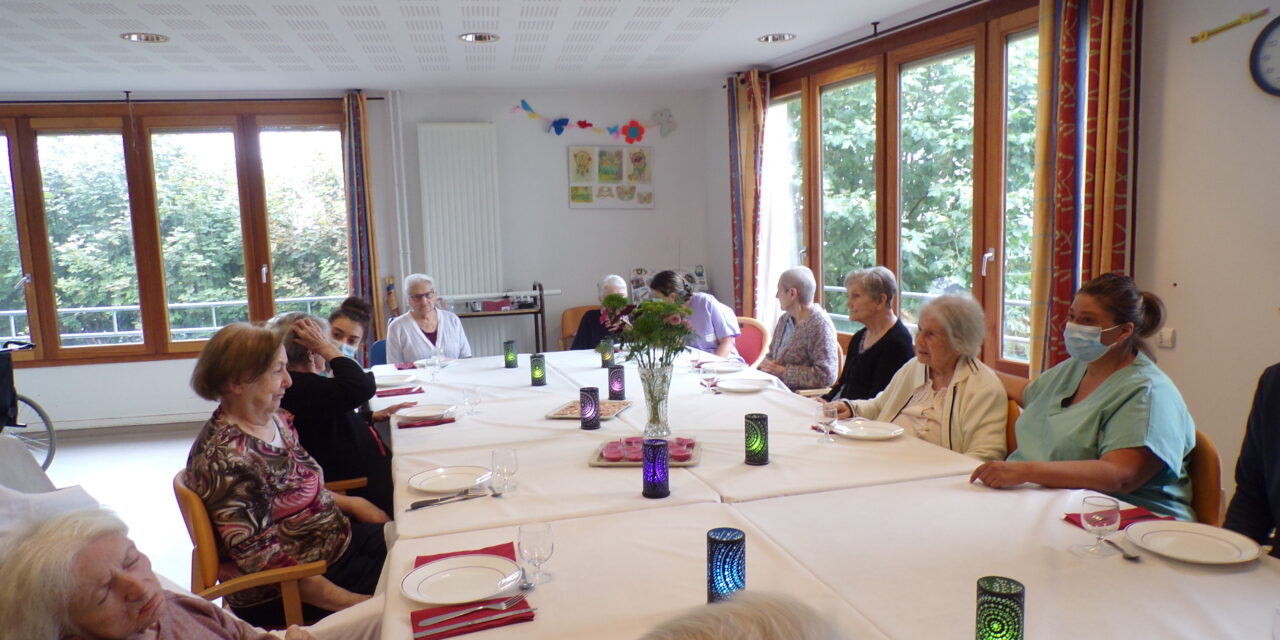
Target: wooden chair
(1205,469)
(813,393)
(569,321)
(1010,435)
(204,559)
(754,341)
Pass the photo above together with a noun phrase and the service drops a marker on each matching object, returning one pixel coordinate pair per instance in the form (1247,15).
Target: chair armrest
(287,577)
(343,486)
(813,393)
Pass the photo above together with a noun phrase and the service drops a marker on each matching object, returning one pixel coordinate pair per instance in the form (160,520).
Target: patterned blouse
(808,350)
(268,504)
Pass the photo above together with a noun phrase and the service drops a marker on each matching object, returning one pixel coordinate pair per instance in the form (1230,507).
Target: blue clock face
(1264,61)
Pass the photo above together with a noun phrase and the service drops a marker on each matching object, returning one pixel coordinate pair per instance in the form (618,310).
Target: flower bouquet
(653,333)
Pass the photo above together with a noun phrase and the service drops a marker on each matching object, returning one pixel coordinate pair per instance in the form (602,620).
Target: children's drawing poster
(610,177)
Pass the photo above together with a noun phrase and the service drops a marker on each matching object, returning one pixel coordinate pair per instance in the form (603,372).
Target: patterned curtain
(1085,157)
(748,101)
(363,246)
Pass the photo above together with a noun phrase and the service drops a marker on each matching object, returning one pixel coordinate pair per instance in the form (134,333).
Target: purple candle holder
(589,407)
(657,469)
(617,382)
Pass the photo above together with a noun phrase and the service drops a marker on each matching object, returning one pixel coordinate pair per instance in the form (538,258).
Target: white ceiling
(61,46)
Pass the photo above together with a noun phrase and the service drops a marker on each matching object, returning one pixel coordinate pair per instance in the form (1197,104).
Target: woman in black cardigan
(324,409)
(883,345)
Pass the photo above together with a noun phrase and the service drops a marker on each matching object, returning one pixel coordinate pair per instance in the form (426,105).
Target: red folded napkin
(402,391)
(404,365)
(506,550)
(1127,517)
(430,422)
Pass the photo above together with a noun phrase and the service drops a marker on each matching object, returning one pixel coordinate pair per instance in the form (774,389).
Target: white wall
(108,395)
(1209,210)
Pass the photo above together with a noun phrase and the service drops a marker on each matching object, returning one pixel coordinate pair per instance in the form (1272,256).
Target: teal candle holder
(726,562)
(1001,609)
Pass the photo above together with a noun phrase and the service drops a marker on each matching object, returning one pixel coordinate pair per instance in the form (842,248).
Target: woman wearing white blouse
(426,330)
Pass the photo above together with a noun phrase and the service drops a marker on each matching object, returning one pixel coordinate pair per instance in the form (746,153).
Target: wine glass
(471,398)
(433,367)
(505,465)
(1100,516)
(828,412)
(536,546)
(708,380)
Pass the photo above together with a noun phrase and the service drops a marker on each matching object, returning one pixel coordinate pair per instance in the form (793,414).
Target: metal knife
(470,623)
(431,502)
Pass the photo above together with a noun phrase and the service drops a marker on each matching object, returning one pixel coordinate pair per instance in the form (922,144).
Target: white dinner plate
(724,367)
(460,579)
(743,385)
(859,429)
(1192,542)
(393,380)
(444,362)
(449,479)
(427,411)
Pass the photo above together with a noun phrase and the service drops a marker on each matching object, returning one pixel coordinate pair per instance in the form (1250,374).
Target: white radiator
(460,222)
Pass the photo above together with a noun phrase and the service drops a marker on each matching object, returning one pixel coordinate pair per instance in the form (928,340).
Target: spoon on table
(1132,557)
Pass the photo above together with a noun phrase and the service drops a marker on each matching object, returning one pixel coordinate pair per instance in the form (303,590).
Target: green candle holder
(1001,609)
(538,370)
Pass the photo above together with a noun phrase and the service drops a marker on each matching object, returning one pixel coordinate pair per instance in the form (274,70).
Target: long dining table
(885,539)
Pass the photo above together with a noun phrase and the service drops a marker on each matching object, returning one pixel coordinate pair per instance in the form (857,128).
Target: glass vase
(657,384)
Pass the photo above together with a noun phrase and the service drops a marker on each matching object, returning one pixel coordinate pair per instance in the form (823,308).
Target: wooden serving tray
(571,411)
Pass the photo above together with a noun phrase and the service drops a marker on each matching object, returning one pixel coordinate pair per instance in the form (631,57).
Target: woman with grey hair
(945,395)
(591,329)
(882,346)
(426,330)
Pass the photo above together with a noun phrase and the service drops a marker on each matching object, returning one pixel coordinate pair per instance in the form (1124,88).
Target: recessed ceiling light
(478,37)
(146,38)
(776,37)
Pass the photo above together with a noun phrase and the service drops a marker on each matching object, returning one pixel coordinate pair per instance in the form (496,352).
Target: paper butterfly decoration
(633,131)
(559,125)
(665,121)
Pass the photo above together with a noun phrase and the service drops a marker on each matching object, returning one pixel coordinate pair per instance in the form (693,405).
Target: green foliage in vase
(653,331)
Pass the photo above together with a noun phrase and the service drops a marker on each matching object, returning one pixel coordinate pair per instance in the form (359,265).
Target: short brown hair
(237,352)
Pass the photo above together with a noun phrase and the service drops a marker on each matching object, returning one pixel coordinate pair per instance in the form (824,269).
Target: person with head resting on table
(1106,418)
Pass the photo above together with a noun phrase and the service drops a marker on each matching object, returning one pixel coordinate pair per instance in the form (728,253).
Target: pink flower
(688,325)
(633,131)
(674,319)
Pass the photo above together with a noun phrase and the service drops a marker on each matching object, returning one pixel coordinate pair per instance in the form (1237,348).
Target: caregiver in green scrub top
(1107,418)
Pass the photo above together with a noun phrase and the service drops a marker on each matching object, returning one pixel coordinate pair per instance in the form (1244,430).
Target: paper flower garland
(632,132)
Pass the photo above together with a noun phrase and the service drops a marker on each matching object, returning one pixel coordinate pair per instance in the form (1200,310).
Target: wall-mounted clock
(1264,60)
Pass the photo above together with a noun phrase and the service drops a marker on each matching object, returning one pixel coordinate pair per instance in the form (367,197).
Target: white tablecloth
(616,576)
(908,556)
(555,483)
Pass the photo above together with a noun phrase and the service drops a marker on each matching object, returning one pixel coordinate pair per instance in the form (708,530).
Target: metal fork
(473,492)
(501,606)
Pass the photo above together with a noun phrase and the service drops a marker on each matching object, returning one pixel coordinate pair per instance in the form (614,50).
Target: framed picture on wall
(610,177)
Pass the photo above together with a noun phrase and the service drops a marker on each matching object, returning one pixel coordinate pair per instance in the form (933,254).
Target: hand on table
(843,412)
(297,633)
(999,474)
(772,368)
(385,414)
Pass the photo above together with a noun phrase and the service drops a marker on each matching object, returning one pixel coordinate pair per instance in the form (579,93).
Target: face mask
(348,350)
(1084,343)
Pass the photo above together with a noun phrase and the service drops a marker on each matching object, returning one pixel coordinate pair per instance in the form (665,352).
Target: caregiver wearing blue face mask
(1107,418)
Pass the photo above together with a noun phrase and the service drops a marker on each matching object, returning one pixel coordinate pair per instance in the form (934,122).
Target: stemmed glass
(1100,516)
(432,366)
(504,465)
(708,380)
(536,546)
(471,398)
(828,412)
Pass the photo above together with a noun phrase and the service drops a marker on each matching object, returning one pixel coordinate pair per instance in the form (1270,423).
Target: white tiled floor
(130,471)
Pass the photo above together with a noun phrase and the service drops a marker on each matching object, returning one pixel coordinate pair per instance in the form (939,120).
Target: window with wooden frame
(134,231)
(919,155)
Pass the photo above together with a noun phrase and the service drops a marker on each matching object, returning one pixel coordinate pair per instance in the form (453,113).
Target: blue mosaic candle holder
(617,382)
(606,353)
(1001,608)
(589,407)
(509,354)
(657,469)
(726,562)
(538,370)
(757,438)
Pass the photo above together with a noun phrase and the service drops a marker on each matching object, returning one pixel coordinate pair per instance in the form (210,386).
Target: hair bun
(357,306)
(1152,314)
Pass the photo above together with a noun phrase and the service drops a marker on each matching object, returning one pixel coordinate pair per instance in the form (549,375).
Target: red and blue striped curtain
(1085,157)
(748,94)
(361,240)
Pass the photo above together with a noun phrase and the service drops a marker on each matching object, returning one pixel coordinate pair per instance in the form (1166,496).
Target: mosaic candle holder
(589,407)
(617,382)
(1001,608)
(606,353)
(726,562)
(538,370)
(656,469)
(509,354)
(757,433)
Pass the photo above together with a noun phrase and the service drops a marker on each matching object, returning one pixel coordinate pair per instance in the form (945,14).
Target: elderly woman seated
(882,346)
(1106,418)
(591,329)
(944,395)
(324,408)
(265,494)
(803,352)
(426,330)
(77,576)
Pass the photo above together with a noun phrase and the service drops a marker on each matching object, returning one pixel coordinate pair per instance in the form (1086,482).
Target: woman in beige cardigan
(803,352)
(944,395)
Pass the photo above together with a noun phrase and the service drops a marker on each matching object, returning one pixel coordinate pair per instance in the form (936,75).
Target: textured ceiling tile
(483,11)
(307,25)
(27,9)
(203,37)
(582,37)
(643,26)
(367,25)
(186,24)
(318,37)
(295,10)
(358,11)
(539,12)
(247,68)
(524,36)
(426,37)
(414,11)
(231,10)
(537,25)
(423,25)
(590,25)
(596,12)
(651,12)
(694,25)
(163,9)
(97,8)
(372,36)
(708,12)
(65,24)
(479,25)
(249,25)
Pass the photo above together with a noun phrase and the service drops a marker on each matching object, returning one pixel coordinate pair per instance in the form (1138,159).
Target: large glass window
(936,168)
(86,209)
(781,203)
(848,189)
(307,218)
(1022,59)
(198,205)
(13,304)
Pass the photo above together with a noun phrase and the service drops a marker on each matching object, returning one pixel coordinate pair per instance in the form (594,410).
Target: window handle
(23,281)
(264,273)
(989,256)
